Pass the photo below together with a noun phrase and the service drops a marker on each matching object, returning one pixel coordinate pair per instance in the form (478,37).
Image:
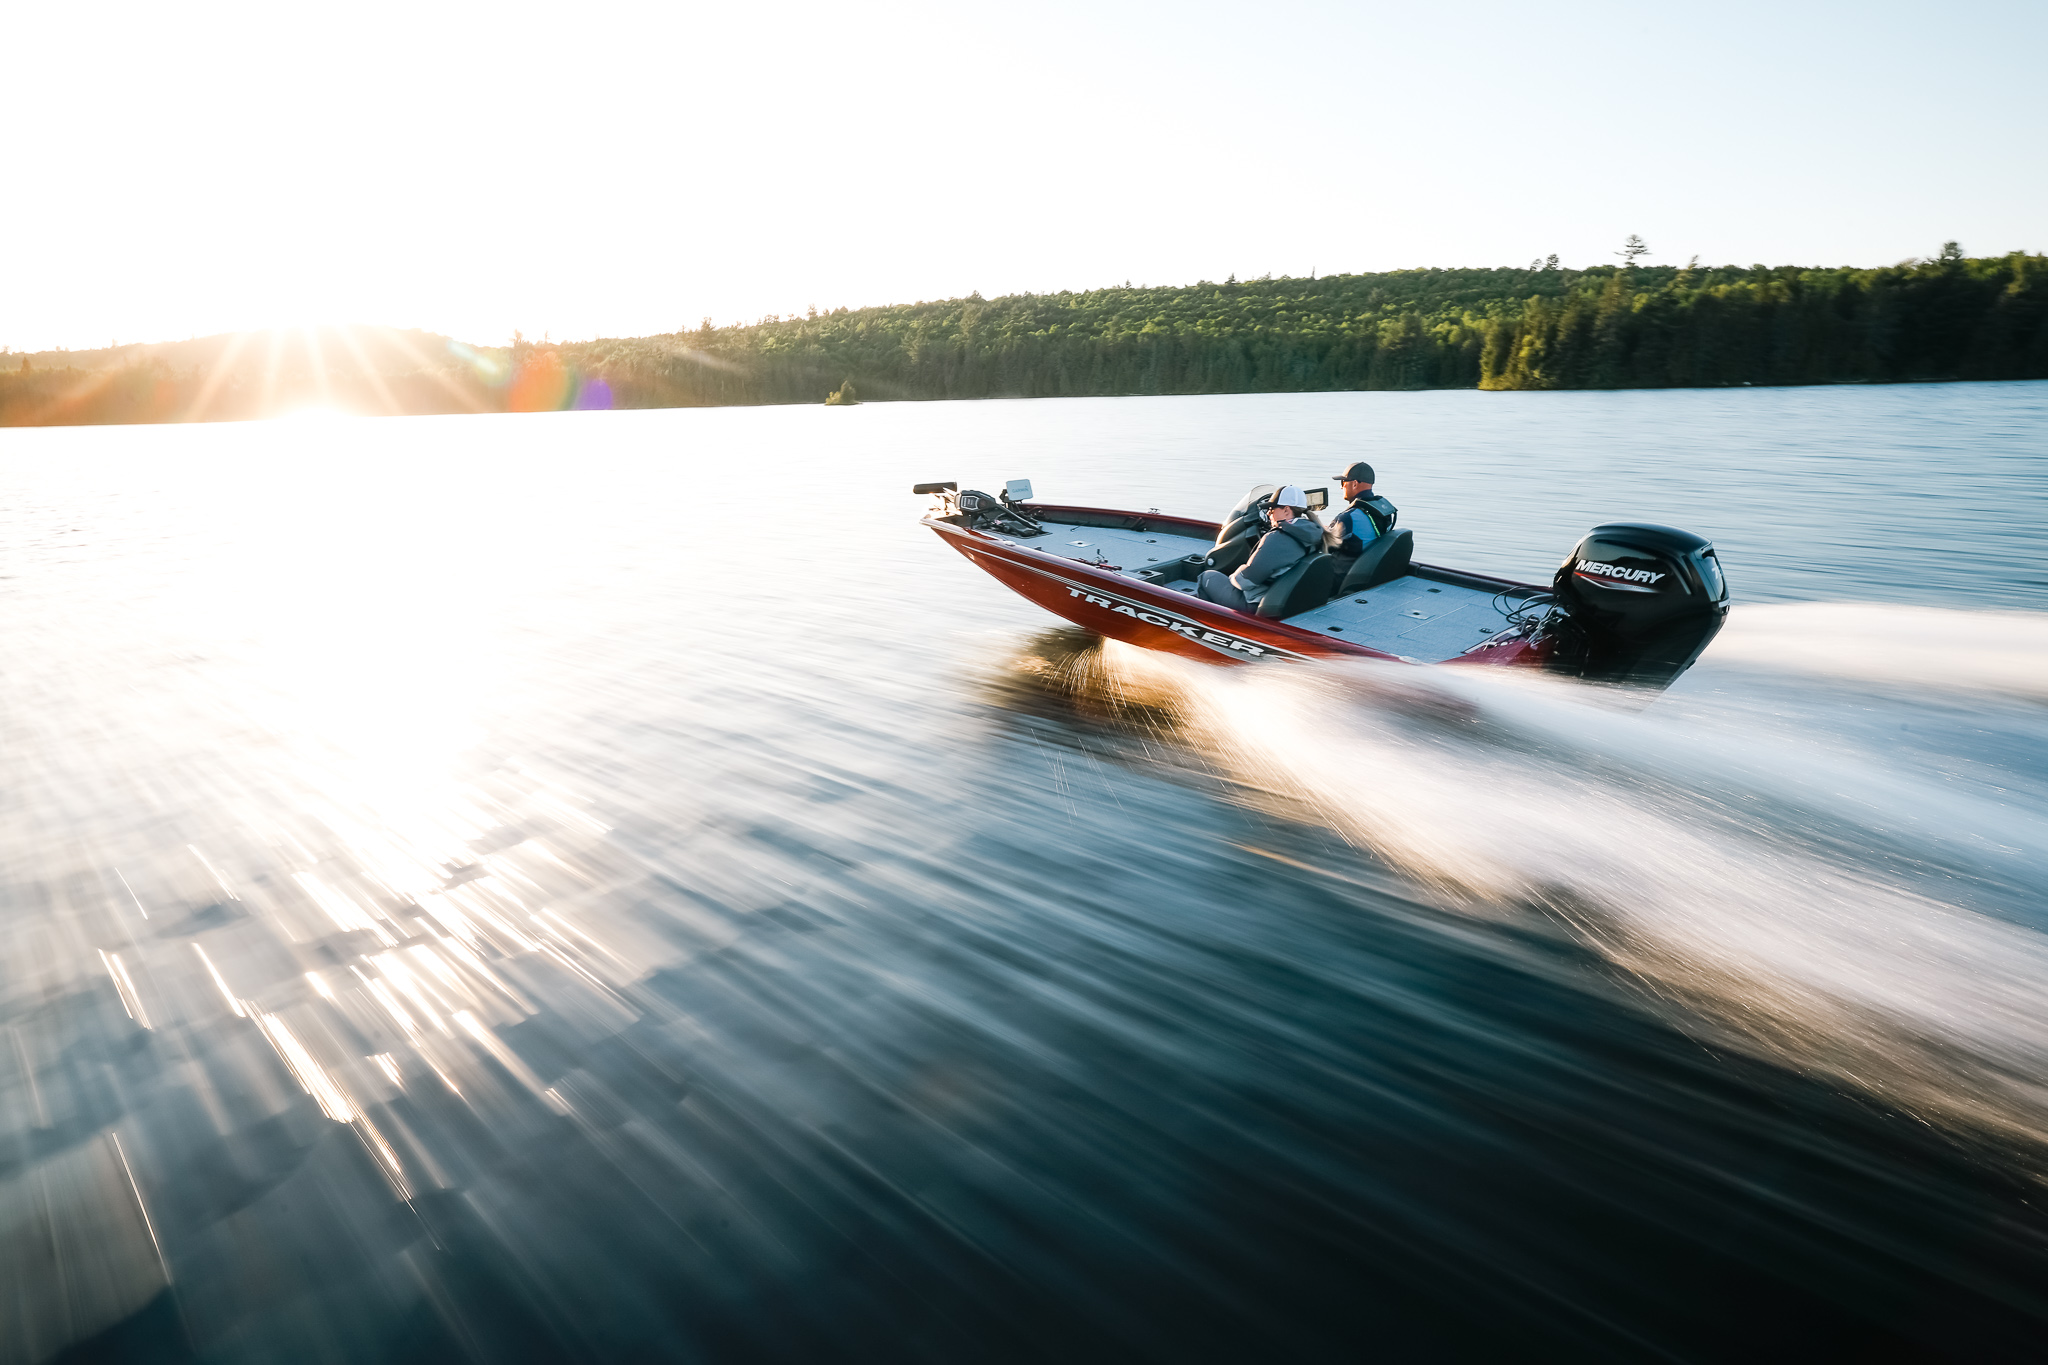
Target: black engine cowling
(1639,602)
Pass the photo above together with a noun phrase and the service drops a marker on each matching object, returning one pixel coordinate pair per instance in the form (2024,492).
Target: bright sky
(630,168)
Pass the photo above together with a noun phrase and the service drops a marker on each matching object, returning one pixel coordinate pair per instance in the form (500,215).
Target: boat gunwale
(1463,578)
(1292,640)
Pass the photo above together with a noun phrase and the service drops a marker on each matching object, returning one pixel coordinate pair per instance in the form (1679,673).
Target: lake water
(611,886)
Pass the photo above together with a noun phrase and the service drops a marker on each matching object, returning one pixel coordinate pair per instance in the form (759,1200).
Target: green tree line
(1541,327)
(1949,318)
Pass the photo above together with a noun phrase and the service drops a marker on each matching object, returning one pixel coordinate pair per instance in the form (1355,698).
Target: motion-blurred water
(610,886)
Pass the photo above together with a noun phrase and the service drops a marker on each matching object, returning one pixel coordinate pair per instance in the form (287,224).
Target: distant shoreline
(1949,319)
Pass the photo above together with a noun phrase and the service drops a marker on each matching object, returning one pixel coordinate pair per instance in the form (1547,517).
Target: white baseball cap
(1291,496)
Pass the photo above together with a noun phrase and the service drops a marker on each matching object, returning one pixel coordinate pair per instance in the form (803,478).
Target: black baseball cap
(1358,473)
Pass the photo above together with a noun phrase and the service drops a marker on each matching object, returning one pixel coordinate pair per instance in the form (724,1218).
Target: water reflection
(385,978)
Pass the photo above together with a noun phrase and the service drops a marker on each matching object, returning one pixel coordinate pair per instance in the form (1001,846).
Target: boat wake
(1943,651)
(1821,847)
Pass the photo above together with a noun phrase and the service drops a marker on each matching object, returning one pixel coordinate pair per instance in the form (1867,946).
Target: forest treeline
(1625,326)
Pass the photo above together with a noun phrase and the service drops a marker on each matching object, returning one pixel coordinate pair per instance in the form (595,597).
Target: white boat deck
(1123,549)
(1413,617)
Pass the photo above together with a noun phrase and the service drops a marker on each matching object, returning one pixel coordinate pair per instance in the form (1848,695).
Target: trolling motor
(1636,603)
(981,511)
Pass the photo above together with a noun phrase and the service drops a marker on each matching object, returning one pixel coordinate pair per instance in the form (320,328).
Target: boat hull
(1115,605)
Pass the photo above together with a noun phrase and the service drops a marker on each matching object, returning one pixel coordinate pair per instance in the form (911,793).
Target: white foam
(1771,861)
(2002,651)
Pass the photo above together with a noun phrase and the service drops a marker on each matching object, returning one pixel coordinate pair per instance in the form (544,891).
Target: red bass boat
(1633,602)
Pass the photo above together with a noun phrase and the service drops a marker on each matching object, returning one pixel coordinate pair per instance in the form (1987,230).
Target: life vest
(1381,513)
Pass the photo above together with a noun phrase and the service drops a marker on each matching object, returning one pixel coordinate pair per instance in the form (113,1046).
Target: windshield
(1244,504)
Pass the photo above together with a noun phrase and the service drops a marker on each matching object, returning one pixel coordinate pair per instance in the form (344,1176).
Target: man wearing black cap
(1366,518)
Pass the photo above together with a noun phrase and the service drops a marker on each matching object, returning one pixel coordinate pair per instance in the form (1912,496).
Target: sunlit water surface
(610,886)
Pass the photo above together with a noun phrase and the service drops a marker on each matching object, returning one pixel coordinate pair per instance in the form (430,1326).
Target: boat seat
(1304,587)
(1228,556)
(1383,561)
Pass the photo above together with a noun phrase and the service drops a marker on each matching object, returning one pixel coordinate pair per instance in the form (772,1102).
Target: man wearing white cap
(1295,533)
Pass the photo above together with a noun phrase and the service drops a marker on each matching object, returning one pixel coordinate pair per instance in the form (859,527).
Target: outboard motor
(1639,604)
